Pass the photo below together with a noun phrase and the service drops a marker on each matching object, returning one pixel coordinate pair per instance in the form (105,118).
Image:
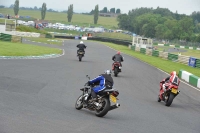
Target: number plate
(113,98)
(174,91)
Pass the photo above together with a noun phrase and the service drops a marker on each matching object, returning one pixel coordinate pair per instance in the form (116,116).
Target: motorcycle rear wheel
(115,72)
(159,100)
(105,108)
(80,57)
(170,99)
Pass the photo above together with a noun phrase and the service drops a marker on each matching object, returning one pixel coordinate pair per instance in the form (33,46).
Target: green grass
(79,19)
(115,35)
(30,29)
(46,40)
(19,49)
(160,63)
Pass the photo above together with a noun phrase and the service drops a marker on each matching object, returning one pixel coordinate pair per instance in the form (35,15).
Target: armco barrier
(133,48)
(198,63)
(5,37)
(143,50)
(155,53)
(190,78)
(172,57)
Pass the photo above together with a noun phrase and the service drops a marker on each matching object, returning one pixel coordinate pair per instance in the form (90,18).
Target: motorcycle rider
(105,81)
(117,58)
(173,78)
(81,47)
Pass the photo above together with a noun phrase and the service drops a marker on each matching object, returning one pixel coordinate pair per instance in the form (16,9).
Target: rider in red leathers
(172,79)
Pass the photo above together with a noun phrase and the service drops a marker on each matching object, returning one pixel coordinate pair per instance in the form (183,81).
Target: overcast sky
(182,6)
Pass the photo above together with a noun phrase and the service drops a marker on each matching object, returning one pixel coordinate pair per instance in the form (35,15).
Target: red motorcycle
(170,93)
(116,67)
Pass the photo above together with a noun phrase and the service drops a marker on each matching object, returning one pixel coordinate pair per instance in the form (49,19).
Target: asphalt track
(38,96)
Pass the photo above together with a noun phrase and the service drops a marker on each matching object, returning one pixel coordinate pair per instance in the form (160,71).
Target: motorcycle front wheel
(79,103)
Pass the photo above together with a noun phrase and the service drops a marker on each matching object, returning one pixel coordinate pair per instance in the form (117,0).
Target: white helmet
(81,42)
(108,72)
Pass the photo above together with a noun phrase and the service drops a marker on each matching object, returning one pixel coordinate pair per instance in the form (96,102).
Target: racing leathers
(105,81)
(170,79)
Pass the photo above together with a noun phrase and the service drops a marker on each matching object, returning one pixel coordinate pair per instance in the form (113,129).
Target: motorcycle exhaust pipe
(114,106)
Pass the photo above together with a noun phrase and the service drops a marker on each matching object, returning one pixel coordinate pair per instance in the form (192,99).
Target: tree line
(105,10)
(112,10)
(43,10)
(69,12)
(161,23)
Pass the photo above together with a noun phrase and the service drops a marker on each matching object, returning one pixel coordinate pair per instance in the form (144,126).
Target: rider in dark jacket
(81,47)
(117,58)
(105,81)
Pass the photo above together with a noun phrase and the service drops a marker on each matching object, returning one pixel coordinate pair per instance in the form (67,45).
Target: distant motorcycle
(80,54)
(170,93)
(117,68)
(103,105)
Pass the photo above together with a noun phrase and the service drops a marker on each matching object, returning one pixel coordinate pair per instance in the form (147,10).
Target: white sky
(182,6)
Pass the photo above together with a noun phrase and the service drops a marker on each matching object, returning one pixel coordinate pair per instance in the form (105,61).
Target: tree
(70,13)
(11,6)
(148,29)
(16,7)
(92,12)
(198,38)
(1,6)
(112,10)
(118,11)
(186,28)
(43,10)
(35,8)
(96,14)
(105,10)
(196,16)
(124,22)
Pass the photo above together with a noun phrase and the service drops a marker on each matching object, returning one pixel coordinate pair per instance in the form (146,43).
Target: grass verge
(160,63)
(19,49)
